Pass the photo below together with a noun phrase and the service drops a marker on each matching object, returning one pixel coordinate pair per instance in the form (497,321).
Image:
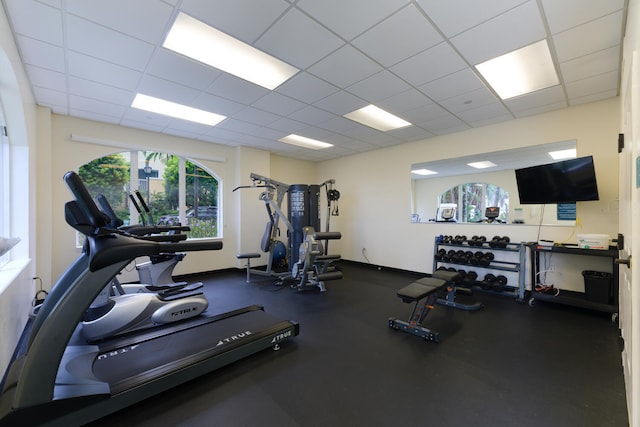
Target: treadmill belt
(170,352)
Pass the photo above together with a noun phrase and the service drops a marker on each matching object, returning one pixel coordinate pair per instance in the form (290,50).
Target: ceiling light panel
(201,42)
(423,172)
(563,154)
(520,72)
(377,118)
(171,109)
(482,165)
(302,141)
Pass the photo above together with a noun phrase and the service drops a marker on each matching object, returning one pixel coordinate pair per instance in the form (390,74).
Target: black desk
(576,299)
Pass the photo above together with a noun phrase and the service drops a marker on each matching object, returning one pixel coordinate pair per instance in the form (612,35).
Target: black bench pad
(449,276)
(420,289)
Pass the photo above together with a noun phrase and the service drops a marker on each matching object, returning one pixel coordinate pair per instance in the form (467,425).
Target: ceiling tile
(512,30)
(256,116)
(36,20)
(159,88)
(588,65)
(469,101)
(355,16)
(452,85)
(403,101)
(155,15)
(217,104)
(594,97)
(278,104)
(485,114)
(566,14)
(298,40)
(403,34)
(86,104)
(89,89)
(430,65)
(596,35)
(93,69)
(46,78)
(49,97)
(311,115)
(593,85)
(91,39)
(179,69)
(231,87)
(340,103)
(527,104)
(306,88)
(378,87)
(456,16)
(41,54)
(243,19)
(344,67)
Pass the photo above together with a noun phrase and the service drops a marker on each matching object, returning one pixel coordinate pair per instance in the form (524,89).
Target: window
(473,198)
(162,181)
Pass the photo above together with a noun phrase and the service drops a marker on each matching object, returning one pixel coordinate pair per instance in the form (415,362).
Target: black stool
(248,257)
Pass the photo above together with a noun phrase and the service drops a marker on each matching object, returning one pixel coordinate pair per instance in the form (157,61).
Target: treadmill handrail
(105,250)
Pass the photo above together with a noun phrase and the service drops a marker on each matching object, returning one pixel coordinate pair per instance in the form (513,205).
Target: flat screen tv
(566,181)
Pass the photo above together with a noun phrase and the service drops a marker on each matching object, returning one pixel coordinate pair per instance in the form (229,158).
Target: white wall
(16,284)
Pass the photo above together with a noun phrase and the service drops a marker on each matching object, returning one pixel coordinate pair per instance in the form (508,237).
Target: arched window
(176,190)
(472,199)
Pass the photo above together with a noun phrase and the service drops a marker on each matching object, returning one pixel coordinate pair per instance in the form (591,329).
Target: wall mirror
(451,190)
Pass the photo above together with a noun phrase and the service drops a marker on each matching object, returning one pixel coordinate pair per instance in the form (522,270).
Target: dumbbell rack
(494,265)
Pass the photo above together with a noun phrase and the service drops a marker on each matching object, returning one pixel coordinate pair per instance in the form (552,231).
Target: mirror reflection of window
(472,199)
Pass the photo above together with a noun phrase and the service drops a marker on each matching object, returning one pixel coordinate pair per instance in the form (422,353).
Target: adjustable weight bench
(424,293)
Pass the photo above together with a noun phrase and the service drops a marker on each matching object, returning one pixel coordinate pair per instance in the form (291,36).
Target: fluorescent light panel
(563,154)
(377,118)
(302,141)
(171,109)
(522,71)
(482,165)
(423,172)
(201,42)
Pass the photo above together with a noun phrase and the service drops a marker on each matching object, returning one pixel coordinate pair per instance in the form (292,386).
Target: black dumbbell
(470,278)
(499,283)
(487,282)
(485,259)
(440,254)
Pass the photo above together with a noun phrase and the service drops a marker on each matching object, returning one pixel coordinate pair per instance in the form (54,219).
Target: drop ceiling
(415,59)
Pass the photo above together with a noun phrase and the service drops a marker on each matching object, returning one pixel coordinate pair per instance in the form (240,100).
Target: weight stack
(303,204)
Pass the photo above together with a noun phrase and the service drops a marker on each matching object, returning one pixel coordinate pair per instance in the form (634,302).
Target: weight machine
(304,242)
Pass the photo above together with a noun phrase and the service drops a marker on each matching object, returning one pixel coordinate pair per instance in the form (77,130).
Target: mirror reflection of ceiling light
(520,72)
(377,118)
(179,111)
(302,141)
(423,172)
(563,154)
(201,42)
(482,165)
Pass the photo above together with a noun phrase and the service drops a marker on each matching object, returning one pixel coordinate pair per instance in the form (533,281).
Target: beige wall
(375,186)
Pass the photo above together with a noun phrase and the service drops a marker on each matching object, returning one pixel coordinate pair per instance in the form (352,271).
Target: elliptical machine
(125,308)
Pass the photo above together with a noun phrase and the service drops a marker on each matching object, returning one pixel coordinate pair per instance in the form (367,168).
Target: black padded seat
(420,289)
(449,276)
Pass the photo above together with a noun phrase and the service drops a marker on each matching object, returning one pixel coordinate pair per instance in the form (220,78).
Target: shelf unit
(496,265)
(573,298)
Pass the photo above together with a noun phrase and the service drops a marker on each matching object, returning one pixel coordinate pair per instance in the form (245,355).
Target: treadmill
(57,378)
